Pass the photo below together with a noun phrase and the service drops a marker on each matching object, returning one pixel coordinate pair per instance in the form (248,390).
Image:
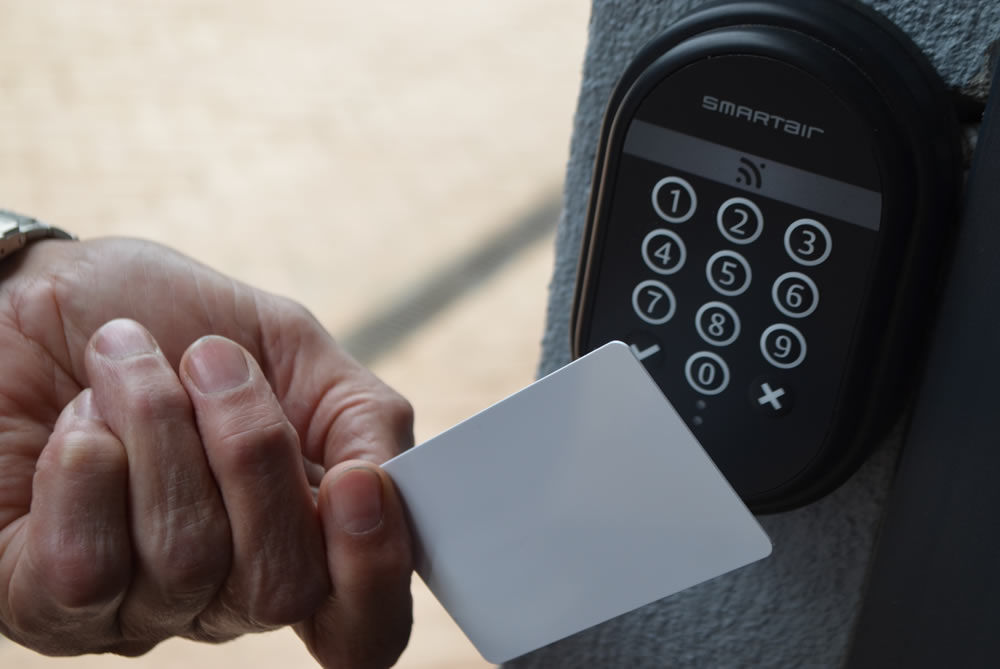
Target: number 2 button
(740,220)
(653,302)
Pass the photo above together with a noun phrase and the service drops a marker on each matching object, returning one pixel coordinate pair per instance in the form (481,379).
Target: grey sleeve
(796,608)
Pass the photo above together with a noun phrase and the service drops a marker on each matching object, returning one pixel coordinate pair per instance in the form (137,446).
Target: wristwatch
(17,231)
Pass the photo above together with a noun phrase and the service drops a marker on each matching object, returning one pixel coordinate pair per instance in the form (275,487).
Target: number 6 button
(795,294)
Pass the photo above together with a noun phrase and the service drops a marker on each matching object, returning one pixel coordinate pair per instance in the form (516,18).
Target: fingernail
(216,364)
(356,497)
(85,407)
(122,339)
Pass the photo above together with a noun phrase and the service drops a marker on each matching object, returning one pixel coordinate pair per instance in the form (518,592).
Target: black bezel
(874,69)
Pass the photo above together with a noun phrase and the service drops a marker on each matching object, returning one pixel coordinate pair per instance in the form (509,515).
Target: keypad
(737,272)
(740,222)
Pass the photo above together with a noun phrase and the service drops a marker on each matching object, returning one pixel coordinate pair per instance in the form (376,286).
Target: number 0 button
(783,346)
(653,302)
(663,251)
(740,220)
(707,373)
(728,273)
(674,199)
(808,242)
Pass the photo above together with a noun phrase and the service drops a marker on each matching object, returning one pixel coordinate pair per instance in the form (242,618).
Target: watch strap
(17,231)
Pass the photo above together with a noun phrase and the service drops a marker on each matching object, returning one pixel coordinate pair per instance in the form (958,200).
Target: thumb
(365,623)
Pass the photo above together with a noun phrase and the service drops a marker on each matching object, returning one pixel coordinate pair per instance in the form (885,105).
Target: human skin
(159,427)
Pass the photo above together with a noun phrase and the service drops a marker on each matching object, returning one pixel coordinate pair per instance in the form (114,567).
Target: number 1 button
(674,199)
(653,302)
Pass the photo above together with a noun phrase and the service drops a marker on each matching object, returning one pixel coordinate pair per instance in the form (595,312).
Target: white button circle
(664,251)
(791,302)
(653,302)
(814,243)
(707,373)
(729,265)
(707,330)
(675,212)
(783,338)
(749,224)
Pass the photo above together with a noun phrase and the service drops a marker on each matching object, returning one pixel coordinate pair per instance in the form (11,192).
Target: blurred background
(396,167)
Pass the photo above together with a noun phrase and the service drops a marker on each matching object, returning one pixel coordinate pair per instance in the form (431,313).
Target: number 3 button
(808,242)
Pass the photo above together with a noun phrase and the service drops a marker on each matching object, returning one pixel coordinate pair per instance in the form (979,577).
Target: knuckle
(75,576)
(290,601)
(194,557)
(250,447)
(158,397)
(398,411)
(82,451)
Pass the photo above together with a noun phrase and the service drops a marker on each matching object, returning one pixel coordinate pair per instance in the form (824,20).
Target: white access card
(575,500)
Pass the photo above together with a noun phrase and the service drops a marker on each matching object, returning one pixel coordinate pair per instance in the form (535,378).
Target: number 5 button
(728,272)
(653,302)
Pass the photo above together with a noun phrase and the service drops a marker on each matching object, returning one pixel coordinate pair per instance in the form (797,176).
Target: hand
(153,477)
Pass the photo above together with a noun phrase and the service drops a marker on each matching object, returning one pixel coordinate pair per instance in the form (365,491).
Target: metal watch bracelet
(17,231)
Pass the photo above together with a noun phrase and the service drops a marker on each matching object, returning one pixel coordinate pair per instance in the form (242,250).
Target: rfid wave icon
(749,174)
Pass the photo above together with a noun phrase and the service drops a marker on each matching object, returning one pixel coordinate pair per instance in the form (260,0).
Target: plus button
(772,397)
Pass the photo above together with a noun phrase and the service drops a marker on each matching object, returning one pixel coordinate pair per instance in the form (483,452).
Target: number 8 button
(717,323)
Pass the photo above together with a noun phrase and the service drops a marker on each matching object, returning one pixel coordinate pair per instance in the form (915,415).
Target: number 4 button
(663,251)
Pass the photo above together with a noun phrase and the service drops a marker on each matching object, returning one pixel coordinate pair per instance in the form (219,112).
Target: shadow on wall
(405,315)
